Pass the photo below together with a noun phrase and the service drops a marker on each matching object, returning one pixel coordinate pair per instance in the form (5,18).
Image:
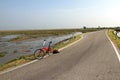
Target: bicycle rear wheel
(39,53)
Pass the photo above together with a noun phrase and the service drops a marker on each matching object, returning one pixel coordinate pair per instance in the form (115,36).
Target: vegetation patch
(12,63)
(114,37)
(15,62)
(15,51)
(2,54)
(66,42)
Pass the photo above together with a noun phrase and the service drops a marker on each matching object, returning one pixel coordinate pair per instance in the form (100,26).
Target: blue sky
(52,14)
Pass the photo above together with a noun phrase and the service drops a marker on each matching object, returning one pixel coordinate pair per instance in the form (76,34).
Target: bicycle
(40,53)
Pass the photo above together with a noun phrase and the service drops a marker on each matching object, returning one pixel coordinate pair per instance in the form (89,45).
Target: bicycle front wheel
(39,53)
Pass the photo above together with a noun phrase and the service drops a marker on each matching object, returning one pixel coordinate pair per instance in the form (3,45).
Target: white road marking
(14,68)
(116,51)
(17,67)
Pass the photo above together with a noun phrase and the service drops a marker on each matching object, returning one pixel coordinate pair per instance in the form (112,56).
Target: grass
(2,54)
(15,51)
(114,37)
(12,63)
(24,59)
(66,42)
(15,62)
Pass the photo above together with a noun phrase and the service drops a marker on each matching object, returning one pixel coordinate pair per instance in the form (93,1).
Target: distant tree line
(117,29)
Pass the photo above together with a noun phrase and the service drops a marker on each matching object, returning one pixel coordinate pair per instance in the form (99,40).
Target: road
(92,58)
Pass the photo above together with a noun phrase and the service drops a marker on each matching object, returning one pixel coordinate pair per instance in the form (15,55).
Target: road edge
(114,47)
(72,43)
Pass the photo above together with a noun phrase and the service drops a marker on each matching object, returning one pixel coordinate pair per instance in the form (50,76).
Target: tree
(117,29)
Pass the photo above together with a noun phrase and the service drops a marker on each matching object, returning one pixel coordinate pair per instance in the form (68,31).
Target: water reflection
(8,37)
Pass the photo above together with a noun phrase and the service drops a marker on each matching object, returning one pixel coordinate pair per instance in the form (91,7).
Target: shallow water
(8,37)
(17,49)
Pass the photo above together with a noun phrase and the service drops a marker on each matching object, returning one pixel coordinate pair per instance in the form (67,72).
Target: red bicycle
(40,53)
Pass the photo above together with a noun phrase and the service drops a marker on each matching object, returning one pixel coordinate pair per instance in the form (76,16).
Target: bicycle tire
(39,53)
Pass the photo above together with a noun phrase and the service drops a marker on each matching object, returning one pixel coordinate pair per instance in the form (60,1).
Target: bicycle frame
(41,52)
(46,49)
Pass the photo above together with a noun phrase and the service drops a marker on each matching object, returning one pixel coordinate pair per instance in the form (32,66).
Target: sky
(55,14)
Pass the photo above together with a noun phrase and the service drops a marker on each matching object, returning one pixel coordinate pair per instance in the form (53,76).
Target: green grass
(15,62)
(114,38)
(12,63)
(15,51)
(66,42)
(2,54)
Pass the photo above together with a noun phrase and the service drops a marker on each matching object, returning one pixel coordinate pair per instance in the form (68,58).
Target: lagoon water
(17,49)
(8,37)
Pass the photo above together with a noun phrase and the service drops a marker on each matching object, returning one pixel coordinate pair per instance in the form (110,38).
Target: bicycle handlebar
(44,43)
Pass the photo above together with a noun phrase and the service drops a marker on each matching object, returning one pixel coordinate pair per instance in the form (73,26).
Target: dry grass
(114,38)
(2,54)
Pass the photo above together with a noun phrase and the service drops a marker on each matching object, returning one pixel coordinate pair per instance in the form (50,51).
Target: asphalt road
(92,58)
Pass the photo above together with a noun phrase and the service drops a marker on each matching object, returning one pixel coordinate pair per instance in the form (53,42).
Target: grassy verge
(16,62)
(114,38)
(25,59)
(66,42)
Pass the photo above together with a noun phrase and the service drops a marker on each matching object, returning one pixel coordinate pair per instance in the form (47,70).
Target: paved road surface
(92,58)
